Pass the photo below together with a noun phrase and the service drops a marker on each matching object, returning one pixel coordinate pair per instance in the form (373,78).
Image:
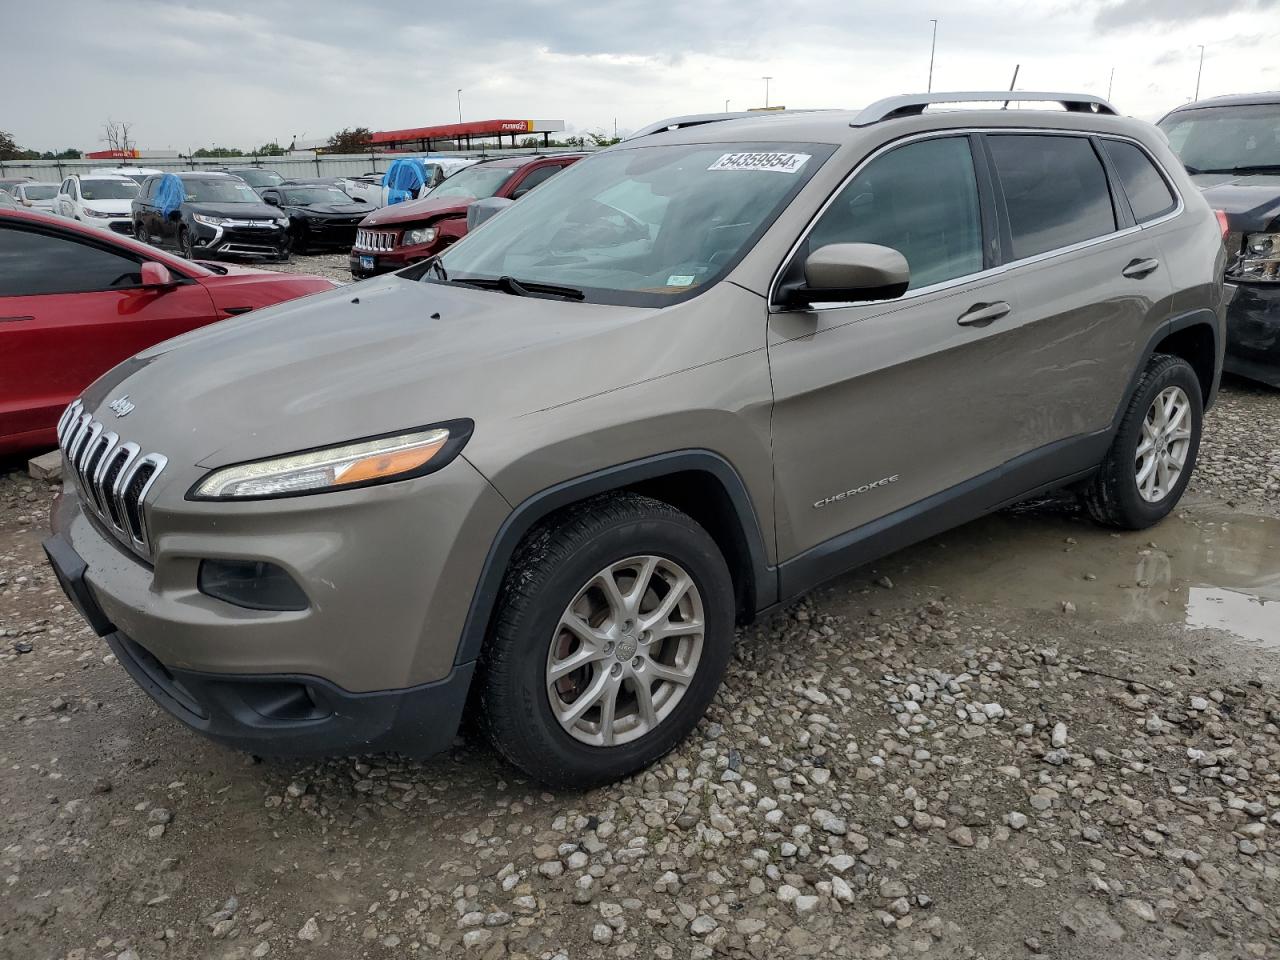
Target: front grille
(378,241)
(113,477)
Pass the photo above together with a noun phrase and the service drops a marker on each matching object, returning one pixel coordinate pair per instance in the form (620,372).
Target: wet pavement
(1206,566)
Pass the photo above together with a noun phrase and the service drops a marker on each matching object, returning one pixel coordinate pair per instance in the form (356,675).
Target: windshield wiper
(522,288)
(434,265)
(1257,168)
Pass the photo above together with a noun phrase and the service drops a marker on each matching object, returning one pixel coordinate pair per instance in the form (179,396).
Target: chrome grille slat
(375,241)
(113,478)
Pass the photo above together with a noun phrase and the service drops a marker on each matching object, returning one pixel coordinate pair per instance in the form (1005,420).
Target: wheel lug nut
(636,663)
(616,669)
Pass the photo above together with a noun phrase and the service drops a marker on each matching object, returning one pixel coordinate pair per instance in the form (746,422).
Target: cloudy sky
(244,72)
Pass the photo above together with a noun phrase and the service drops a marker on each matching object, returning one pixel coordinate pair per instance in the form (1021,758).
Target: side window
(1055,190)
(541,175)
(149,189)
(1148,193)
(921,200)
(37,263)
(66,186)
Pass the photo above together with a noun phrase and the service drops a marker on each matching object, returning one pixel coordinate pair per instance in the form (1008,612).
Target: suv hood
(120,208)
(1250,201)
(412,211)
(366,359)
(238,211)
(332,209)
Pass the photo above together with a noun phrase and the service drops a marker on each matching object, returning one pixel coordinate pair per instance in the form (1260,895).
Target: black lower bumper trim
(300,716)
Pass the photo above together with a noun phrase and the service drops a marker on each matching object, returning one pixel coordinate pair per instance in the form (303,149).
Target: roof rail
(913,104)
(690,120)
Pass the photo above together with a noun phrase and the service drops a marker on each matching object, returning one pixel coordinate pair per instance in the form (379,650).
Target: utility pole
(459,104)
(933,46)
(726,104)
(1199,71)
(1110,82)
(766,90)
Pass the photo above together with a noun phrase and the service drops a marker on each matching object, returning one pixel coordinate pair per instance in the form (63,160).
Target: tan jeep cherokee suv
(684,381)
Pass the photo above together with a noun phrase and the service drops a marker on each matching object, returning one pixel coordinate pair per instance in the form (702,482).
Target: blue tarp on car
(169,194)
(404,178)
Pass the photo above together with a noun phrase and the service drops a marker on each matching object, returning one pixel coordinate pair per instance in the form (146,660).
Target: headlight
(282,221)
(421,235)
(364,462)
(1259,260)
(102,215)
(210,221)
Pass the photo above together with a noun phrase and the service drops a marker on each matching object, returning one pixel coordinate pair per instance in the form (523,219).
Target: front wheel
(186,243)
(614,629)
(140,232)
(1154,451)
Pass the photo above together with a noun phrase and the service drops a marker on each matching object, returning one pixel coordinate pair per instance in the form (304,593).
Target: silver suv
(698,373)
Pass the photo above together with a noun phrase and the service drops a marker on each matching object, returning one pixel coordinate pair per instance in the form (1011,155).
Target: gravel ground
(911,761)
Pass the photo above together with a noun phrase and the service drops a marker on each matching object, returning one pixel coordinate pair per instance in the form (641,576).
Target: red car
(75,301)
(404,233)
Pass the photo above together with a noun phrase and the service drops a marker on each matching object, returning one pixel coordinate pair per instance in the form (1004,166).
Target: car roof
(1231,100)
(843,126)
(524,159)
(204,174)
(40,183)
(101,176)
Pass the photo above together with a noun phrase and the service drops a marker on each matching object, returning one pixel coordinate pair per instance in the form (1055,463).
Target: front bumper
(121,224)
(215,241)
(367,263)
(276,714)
(1253,333)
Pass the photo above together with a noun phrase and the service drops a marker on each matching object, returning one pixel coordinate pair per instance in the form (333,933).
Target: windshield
(218,191)
(1223,139)
(40,191)
(258,178)
(640,226)
(304,196)
(108,189)
(481,182)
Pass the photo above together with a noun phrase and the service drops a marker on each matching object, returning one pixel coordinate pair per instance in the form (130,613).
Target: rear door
(70,309)
(879,406)
(1092,283)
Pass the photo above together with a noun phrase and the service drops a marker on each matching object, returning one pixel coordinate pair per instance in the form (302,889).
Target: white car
(36,196)
(369,186)
(136,174)
(104,201)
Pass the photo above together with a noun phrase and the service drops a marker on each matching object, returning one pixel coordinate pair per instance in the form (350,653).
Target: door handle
(1137,269)
(14,319)
(236,310)
(983,314)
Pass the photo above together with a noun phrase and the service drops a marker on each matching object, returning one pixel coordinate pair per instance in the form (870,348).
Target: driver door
(71,309)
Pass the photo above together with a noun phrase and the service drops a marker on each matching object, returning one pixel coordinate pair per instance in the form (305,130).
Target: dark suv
(1231,148)
(698,373)
(209,215)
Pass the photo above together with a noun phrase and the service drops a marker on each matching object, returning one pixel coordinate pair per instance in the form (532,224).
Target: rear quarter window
(1149,195)
(1055,190)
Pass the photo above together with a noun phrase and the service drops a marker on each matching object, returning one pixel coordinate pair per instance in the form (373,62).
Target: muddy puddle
(1205,566)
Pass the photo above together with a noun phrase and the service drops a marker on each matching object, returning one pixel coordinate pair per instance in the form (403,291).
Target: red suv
(75,301)
(396,236)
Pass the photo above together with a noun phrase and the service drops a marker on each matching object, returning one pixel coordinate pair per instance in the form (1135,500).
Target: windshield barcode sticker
(771,162)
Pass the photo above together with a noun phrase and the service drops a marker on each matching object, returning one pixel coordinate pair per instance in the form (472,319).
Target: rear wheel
(1154,452)
(186,243)
(614,628)
(140,232)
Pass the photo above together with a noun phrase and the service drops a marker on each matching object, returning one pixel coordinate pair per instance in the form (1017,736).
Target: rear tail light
(1222,222)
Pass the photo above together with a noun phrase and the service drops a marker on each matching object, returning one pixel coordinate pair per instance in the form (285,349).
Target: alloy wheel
(625,651)
(1163,444)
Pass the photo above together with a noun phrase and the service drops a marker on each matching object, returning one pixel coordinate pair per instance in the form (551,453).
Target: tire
(1116,496)
(299,242)
(140,233)
(186,244)
(561,563)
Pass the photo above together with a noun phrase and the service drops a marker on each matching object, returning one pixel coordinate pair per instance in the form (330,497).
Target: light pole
(459,104)
(766,90)
(1199,71)
(933,46)
(726,104)
(1110,81)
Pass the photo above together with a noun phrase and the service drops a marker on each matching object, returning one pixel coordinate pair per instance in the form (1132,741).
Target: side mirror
(156,275)
(482,210)
(848,273)
(272,200)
